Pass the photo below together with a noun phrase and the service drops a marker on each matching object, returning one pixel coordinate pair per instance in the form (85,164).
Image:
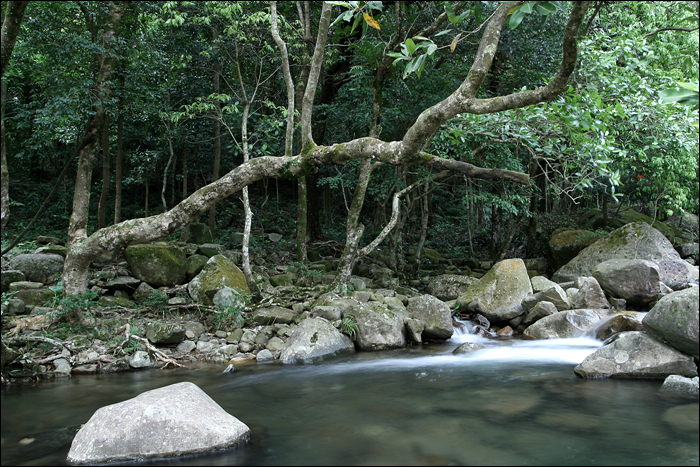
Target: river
(513,402)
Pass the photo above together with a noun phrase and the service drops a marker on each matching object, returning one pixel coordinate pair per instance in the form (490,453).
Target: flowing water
(513,402)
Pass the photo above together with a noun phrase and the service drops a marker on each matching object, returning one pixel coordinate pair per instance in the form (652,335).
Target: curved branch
(463,99)
(669,29)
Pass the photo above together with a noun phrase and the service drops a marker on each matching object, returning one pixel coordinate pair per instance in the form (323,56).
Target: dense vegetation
(198,87)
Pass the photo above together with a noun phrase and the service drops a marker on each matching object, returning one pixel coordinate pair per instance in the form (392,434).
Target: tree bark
(104,195)
(4,172)
(8,37)
(217,139)
(119,163)
(184,169)
(77,228)
(289,83)
(10,28)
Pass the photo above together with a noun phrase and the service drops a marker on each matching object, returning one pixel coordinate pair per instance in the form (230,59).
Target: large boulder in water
(674,319)
(378,327)
(314,339)
(636,355)
(219,272)
(564,324)
(435,315)
(632,241)
(635,280)
(498,295)
(175,420)
(157,264)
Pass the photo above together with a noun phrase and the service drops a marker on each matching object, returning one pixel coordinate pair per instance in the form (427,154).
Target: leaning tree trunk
(405,152)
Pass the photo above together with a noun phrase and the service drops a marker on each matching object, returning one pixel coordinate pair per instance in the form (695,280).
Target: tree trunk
(10,28)
(217,143)
(425,214)
(145,201)
(184,169)
(307,141)
(167,170)
(119,163)
(104,195)
(4,172)
(535,171)
(353,228)
(302,219)
(8,37)
(77,228)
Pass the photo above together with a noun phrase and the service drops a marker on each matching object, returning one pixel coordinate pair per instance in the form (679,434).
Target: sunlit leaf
(454,42)
(371,21)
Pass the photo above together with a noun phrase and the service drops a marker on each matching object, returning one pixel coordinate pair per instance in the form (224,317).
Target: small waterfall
(462,327)
(593,329)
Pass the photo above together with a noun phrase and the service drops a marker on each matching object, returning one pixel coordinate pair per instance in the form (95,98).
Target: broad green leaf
(357,21)
(410,46)
(546,8)
(527,8)
(516,19)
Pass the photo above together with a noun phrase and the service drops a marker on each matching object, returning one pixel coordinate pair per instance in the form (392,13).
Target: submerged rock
(681,385)
(175,420)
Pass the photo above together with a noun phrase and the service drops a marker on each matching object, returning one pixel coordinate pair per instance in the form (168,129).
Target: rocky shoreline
(168,304)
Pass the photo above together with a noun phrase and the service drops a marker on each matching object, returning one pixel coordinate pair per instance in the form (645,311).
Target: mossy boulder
(52,249)
(194,265)
(498,295)
(379,328)
(219,272)
(35,297)
(9,276)
(564,324)
(165,333)
(197,233)
(157,264)
(449,286)
(636,355)
(274,315)
(434,314)
(674,319)
(565,244)
(633,241)
(211,249)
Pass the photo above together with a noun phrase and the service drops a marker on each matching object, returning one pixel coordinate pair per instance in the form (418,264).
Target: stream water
(513,402)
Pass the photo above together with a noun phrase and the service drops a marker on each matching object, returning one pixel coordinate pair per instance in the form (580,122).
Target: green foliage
(309,274)
(231,317)
(71,308)
(157,301)
(348,326)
